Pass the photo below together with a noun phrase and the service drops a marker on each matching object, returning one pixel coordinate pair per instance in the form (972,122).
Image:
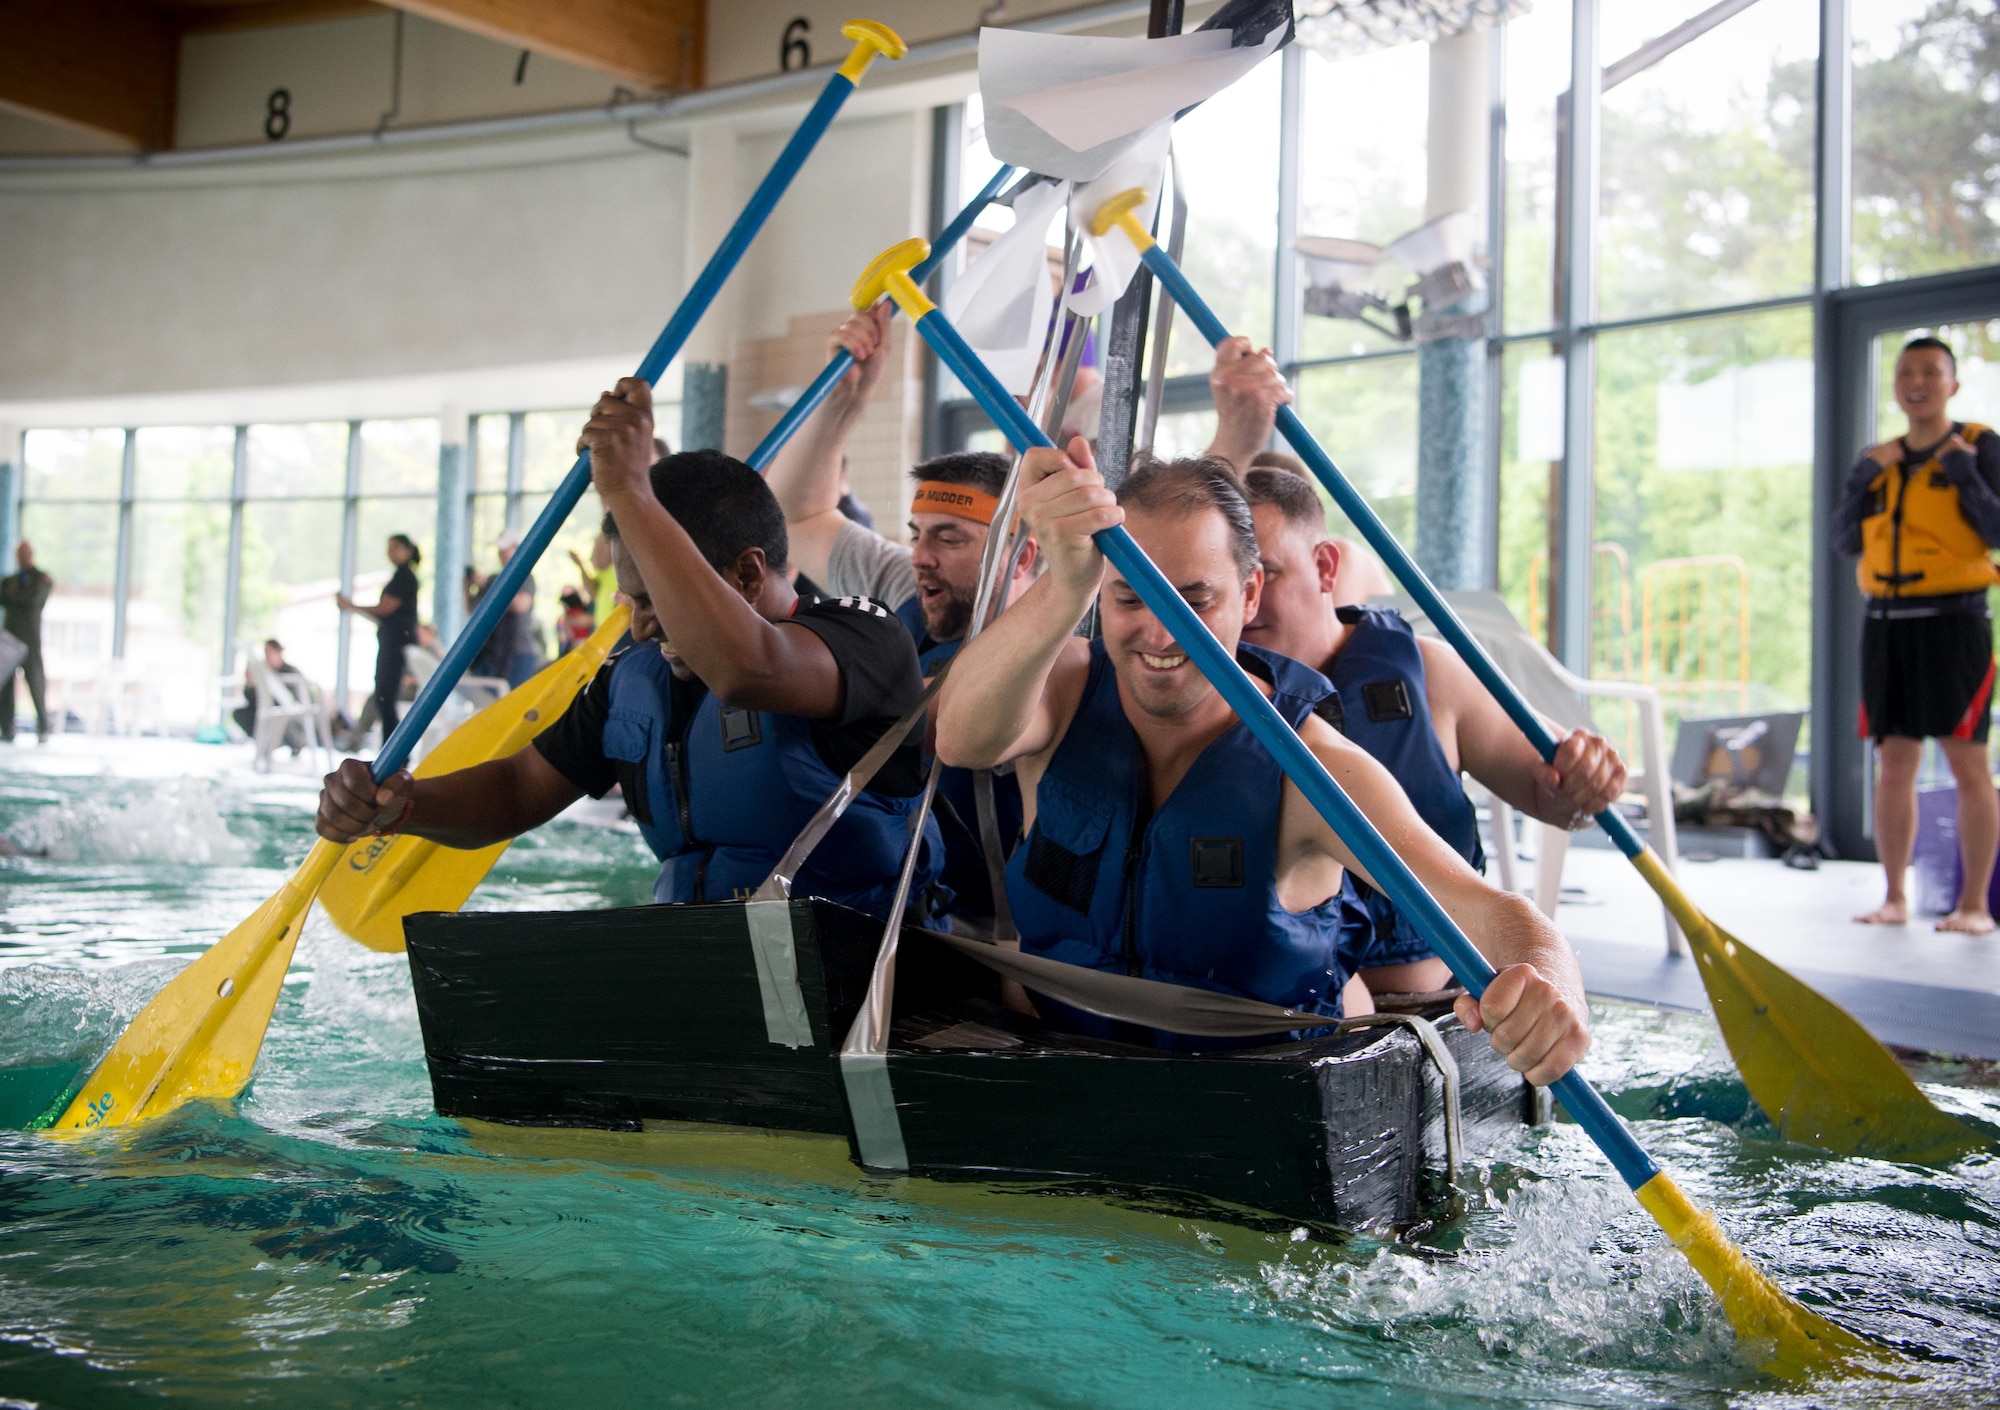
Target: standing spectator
(511,652)
(23,595)
(575,625)
(395,617)
(1923,513)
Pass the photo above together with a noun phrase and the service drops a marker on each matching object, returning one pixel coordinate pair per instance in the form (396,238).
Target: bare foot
(1888,913)
(1968,922)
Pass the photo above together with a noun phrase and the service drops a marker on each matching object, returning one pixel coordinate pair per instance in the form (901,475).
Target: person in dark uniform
(1163,839)
(1414,706)
(1923,514)
(731,718)
(395,617)
(23,595)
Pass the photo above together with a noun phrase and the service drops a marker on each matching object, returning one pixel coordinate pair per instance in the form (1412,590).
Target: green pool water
(328,1240)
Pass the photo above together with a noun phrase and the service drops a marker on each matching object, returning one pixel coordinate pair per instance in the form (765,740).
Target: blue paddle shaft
(500,594)
(829,378)
(1293,756)
(1383,542)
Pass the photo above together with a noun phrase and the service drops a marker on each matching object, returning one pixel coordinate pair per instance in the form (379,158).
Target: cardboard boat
(733,1014)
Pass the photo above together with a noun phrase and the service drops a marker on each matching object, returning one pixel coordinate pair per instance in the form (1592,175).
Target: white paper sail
(1069,105)
(1002,303)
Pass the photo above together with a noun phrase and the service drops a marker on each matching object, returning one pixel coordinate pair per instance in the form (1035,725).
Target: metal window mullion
(1287,307)
(517,464)
(121,582)
(350,529)
(947,177)
(1575,528)
(1496,280)
(232,570)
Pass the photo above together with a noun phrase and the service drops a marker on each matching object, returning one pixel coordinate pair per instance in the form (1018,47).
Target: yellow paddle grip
(889,273)
(1792,1340)
(870,39)
(1120,211)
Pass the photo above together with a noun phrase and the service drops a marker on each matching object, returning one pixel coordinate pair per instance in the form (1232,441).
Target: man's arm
(1588,775)
(1853,506)
(744,660)
(1014,685)
(805,473)
(1534,1011)
(1248,390)
(1974,471)
(469,809)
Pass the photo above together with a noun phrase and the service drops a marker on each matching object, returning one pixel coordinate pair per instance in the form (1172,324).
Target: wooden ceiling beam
(106,66)
(657,43)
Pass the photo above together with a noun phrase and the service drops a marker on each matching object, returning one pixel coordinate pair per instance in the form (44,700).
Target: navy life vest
(1188,895)
(1379,672)
(726,791)
(957,805)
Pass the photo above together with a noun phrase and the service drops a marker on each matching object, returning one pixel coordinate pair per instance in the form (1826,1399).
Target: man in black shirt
(729,721)
(23,595)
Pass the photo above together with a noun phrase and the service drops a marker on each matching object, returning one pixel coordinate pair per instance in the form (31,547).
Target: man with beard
(1413,705)
(1164,840)
(734,715)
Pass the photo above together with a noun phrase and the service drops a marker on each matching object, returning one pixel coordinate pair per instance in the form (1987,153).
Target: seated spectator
(513,651)
(293,679)
(576,624)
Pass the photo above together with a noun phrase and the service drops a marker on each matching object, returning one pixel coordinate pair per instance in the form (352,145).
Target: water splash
(55,1022)
(172,820)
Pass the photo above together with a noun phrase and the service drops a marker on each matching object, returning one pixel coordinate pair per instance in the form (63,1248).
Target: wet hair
(1191,485)
(1291,495)
(1279,460)
(1925,344)
(724,505)
(416,554)
(977,469)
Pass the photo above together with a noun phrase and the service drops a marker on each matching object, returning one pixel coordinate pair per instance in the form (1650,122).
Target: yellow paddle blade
(1790,1339)
(383,879)
(199,1037)
(1817,1073)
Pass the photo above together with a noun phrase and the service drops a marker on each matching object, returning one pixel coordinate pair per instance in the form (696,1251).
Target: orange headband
(937,497)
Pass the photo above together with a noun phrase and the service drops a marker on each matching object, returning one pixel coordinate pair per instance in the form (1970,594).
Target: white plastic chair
(1560,698)
(279,706)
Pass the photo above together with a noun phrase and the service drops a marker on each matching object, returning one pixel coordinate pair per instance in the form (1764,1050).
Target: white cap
(510,538)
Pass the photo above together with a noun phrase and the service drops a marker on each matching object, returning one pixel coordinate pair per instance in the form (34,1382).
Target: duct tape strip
(785,1020)
(871,1105)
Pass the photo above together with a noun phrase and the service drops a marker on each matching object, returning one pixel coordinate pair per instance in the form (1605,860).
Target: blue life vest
(726,791)
(957,805)
(1379,672)
(1188,895)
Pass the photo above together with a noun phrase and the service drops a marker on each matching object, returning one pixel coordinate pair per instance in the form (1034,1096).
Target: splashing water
(329,1237)
(175,820)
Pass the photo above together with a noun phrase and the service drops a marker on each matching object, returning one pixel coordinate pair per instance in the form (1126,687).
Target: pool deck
(1911,986)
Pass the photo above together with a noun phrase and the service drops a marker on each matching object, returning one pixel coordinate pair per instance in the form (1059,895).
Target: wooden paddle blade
(384,879)
(1788,1338)
(200,1035)
(1821,1077)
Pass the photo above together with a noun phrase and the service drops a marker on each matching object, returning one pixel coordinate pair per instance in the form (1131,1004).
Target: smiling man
(730,720)
(1165,841)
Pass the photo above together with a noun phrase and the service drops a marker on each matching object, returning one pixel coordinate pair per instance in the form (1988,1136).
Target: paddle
(384,880)
(1799,1341)
(200,1036)
(1823,1078)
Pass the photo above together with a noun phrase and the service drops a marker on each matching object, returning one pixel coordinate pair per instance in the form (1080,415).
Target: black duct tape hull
(656,1013)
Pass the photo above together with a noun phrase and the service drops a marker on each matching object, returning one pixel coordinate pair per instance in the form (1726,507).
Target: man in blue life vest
(729,721)
(1415,706)
(1163,840)
(1923,514)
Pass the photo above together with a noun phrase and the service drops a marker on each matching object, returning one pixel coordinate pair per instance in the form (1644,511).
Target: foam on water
(327,1236)
(172,820)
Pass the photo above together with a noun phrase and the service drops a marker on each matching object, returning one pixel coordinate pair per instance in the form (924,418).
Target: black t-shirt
(880,682)
(401,624)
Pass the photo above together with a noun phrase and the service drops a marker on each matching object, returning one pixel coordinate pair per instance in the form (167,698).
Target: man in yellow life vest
(1923,513)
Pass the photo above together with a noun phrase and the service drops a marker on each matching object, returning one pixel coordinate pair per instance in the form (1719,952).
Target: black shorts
(1927,677)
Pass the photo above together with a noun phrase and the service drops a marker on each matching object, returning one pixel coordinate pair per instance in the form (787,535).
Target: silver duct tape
(871,1105)
(785,1020)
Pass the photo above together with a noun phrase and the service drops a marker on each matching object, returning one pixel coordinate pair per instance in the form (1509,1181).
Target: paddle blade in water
(383,879)
(1787,1337)
(200,1035)
(1817,1073)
